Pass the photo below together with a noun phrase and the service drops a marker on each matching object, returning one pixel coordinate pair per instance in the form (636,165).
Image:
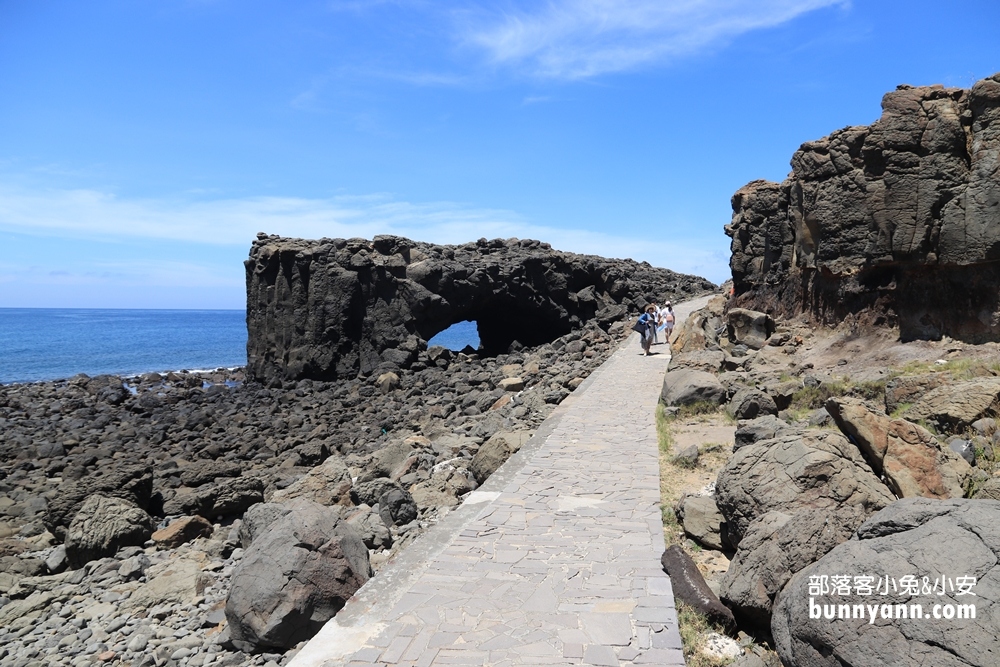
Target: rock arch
(334,308)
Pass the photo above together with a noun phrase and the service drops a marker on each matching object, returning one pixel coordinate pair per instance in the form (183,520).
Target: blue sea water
(457,336)
(53,343)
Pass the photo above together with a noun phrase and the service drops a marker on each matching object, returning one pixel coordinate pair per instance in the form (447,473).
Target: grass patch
(807,399)
(900,409)
(697,409)
(693,627)
(672,531)
(960,369)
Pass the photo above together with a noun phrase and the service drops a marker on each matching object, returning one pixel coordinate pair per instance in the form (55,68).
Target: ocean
(53,343)
(38,344)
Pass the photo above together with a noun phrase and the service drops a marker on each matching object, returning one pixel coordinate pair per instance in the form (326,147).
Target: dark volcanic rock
(690,586)
(777,546)
(817,469)
(103,526)
(298,572)
(232,497)
(893,223)
(937,543)
(335,308)
(133,483)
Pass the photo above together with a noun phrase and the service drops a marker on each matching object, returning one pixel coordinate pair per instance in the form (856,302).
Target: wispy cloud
(575,39)
(147,271)
(234,222)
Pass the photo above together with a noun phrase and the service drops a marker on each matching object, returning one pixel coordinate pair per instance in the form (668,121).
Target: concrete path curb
(553,561)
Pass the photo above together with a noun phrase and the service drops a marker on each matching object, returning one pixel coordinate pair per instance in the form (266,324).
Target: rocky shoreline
(854,459)
(195,451)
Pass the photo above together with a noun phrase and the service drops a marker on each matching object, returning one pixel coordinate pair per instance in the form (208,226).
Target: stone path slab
(555,560)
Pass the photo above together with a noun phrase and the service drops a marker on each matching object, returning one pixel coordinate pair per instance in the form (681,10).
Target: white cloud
(148,271)
(227,222)
(576,39)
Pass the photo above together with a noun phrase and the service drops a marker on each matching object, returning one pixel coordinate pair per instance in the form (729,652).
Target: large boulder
(295,576)
(702,522)
(229,498)
(180,579)
(326,484)
(256,520)
(386,460)
(912,461)
(445,487)
(903,391)
(921,556)
(749,327)
(397,507)
(368,493)
(749,403)
(710,361)
(777,546)
(767,427)
(371,528)
(952,408)
(700,330)
(103,526)
(182,530)
(689,387)
(990,490)
(203,472)
(129,482)
(817,469)
(495,451)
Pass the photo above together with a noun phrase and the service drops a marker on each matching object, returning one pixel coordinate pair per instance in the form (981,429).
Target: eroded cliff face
(896,223)
(336,308)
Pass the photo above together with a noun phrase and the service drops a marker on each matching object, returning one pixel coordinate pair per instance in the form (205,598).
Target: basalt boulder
(748,327)
(912,461)
(104,525)
(326,484)
(929,558)
(133,483)
(297,573)
(954,407)
(776,546)
(814,470)
(688,386)
(228,498)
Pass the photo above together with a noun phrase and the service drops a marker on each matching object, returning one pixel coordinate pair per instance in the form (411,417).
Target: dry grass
(693,628)
(674,481)
(965,368)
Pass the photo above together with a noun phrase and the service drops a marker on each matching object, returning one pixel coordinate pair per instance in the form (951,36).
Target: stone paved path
(554,561)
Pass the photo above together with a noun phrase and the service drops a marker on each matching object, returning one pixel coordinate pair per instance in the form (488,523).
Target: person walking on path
(646,326)
(656,320)
(668,322)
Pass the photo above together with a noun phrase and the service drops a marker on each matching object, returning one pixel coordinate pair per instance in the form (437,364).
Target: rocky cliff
(895,223)
(337,308)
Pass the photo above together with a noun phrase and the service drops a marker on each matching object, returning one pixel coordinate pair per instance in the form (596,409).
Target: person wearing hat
(645,326)
(656,321)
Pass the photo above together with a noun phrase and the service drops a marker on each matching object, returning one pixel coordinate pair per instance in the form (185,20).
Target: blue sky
(143,144)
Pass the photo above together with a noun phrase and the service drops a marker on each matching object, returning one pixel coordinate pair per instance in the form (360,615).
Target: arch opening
(458,336)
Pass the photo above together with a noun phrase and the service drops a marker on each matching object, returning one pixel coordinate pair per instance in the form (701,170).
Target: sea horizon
(49,344)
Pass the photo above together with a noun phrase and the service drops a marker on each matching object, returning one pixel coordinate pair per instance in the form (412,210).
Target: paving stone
(595,654)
